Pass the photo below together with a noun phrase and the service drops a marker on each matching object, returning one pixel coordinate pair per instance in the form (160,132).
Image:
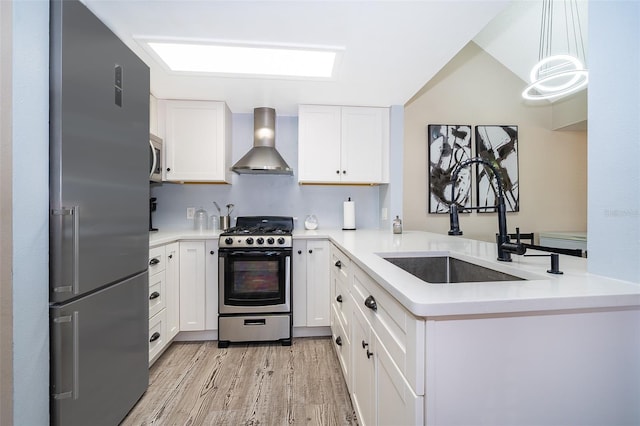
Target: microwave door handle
(155,160)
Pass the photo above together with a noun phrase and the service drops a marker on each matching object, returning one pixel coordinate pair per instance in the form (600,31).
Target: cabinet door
(396,402)
(173,290)
(192,285)
(299,283)
(319,144)
(364,133)
(318,302)
(211,286)
(363,373)
(197,141)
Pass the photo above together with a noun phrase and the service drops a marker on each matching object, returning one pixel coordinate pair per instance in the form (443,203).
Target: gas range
(270,232)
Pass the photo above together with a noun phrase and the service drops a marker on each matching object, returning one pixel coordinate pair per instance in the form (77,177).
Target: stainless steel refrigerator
(99,241)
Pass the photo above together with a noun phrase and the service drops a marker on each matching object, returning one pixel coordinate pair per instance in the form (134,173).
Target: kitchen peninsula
(548,349)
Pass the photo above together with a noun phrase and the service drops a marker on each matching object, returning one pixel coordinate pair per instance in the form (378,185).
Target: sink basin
(447,269)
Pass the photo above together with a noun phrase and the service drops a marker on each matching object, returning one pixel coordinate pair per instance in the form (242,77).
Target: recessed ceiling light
(247,60)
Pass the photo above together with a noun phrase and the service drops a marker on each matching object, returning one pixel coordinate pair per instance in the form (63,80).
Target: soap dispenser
(397,225)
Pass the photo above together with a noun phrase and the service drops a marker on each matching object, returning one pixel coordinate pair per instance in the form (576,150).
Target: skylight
(248,60)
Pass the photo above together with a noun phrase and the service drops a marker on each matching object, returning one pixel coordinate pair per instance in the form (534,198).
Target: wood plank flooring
(196,383)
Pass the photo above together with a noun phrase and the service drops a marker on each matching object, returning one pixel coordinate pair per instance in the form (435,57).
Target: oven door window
(255,279)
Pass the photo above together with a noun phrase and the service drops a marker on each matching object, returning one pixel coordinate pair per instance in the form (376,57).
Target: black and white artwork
(499,146)
(448,145)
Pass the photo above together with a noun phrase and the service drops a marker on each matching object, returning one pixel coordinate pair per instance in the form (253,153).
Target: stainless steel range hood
(263,157)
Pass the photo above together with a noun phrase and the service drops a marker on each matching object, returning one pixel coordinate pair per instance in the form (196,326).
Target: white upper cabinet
(197,141)
(346,145)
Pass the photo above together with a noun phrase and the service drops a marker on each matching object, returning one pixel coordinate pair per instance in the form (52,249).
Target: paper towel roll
(349,215)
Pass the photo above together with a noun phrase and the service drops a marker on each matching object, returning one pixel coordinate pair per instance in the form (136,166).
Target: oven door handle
(258,253)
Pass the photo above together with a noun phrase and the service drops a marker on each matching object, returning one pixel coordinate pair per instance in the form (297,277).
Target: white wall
(266,194)
(30,211)
(614,139)
(474,88)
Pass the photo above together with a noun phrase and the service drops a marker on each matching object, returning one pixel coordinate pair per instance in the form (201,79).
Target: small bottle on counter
(397,225)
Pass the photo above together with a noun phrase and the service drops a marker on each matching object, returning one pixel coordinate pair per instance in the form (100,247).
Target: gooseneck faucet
(505,247)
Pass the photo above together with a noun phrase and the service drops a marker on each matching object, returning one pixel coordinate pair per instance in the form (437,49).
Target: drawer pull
(338,264)
(339,298)
(154,295)
(154,261)
(155,336)
(369,354)
(339,341)
(370,303)
(364,344)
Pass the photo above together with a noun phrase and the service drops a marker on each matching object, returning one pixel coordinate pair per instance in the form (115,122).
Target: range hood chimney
(263,157)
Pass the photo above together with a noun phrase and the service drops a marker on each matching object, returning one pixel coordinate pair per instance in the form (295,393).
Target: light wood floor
(196,383)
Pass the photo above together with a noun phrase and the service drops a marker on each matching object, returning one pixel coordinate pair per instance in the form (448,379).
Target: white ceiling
(391,48)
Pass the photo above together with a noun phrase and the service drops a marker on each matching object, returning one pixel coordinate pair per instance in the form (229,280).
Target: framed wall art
(448,145)
(499,146)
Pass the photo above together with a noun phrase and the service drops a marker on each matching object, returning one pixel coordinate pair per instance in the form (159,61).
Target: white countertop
(575,289)
(565,235)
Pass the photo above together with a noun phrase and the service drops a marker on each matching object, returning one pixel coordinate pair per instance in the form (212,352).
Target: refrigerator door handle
(75,249)
(61,326)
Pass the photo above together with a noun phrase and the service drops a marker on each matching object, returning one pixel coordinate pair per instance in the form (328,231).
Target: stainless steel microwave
(155,158)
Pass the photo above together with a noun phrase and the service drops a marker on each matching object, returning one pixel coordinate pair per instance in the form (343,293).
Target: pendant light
(559,71)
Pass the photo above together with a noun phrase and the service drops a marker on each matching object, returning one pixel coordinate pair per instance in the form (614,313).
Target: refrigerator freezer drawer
(99,354)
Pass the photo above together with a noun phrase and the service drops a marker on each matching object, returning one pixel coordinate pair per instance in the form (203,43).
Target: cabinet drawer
(402,334)
(157,335)
(340,264)
(157,257)
(157,293)
(342,345)
(341,301)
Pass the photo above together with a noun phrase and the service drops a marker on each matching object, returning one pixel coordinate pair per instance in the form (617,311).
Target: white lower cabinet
(172,285)
(299,283)
(396,402)
(158,299)
(157,335)
(311,283)
(363,374)
(198,285)
(384,366)
(211,285)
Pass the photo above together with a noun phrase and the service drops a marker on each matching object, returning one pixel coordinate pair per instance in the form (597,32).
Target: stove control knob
(228,240)
(270,240)
(249,240)
(260,240)
(281,240)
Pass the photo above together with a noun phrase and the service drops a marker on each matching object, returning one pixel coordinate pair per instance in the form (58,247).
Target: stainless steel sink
(447,269)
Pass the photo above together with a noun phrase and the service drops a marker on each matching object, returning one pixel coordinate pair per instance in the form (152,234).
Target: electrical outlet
(191,211)
(383,214)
